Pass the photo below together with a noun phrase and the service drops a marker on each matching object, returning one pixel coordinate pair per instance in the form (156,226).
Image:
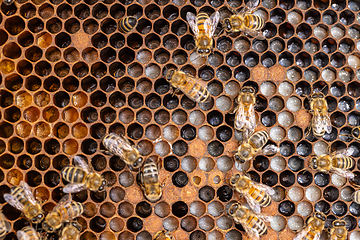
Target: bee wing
(66,199)
(301,234)
(74,187)
(6,222)
(251,231)
(80,162)
(21,235)
(343,173)
(270,149)
(120,145)
(254,33)
(317,236)
(345,151)
(28,194)
(211,23)
(264,187)
(191,18)
(327,123)
(245,119)
(13,202)
(255,206)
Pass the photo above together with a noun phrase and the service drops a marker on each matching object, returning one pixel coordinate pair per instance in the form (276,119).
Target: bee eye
(40,216)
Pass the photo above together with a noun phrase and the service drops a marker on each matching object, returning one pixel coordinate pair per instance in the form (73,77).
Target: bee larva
(256,194)
(28,233)
(127,24)
(245,21)
(314,228)
(188,85)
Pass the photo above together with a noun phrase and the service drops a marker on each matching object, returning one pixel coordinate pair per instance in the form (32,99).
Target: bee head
(102,187)
(138,163)
(234,178)
(313,163)
(169,74)
(233,208)
(317,95)
(47,228)
(248,89)
(339,223)
(320,216)
(203,52)
(237,158)
(227,25)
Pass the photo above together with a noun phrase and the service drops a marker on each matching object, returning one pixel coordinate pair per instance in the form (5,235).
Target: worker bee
(249,148)
(356,196)
(28,233)
(5,226)
(81,177)
(127,24)
(188,85)
(245,120)
(314,228)
(252,222)
(245,21)
(338,231)
(354,134)
(320,122)
(204,28)
(256,194)
(122,148)
(64,211)
(21,198)
(162,235)
(70,232)
(149,180)
(338,162)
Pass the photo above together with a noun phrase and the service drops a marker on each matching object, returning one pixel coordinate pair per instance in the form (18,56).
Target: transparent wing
(327,123)
(301,234)
(6,222)
(343,173)
(249,7)
(317,124)
(211,23)
(317,236)
(264,187)
(119,146)
(265,218)
(345,151)
(21,235)
(245,119)
(13,201)
(80,162)
(250,231)
(191,18)
(270,149)
(74,187)
(255,206)
(66,199)
(253,33)
(28,194)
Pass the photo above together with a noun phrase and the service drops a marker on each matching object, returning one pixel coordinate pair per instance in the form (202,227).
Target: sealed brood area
(69,77)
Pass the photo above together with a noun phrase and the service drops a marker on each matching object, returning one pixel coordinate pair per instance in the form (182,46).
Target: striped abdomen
(201,18)
(257,224)
(343,162)
(126,24)
(71,211)
(259,139)
(310,235)
(30,232)
(150,173)
(253,22)
(19,194)
(73,174)
(260,197)
(3,228)
(195,91)
(356,196)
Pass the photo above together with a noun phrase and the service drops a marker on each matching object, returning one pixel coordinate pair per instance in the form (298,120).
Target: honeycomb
(68,77)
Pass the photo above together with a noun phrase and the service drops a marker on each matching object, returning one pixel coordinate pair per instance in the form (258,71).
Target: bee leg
(106,152)
(174,91)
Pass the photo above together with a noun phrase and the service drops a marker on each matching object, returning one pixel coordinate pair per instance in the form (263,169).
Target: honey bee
(204,28)
(162,235)
(82,177)
(320,122)
(338,231)
(5,226)
(314,228)
(127,24)
(249,148)
(149,180)
(356,196)
(122,148)
(252,222)
(256,194)
(338,162)
(21,198)
(28,233)
(245,21)
(188,85)
(354,134)
(245,120)
(71,232)
(64,211)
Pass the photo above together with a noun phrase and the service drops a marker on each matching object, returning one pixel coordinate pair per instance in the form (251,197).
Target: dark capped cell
(224,133)
(321,179)
(206,193)
(268,118)
(296,163)
(134,224)
(179,209)
(143,209)
(171,163)
(287,178)
(215,148)
(251,59)
(180,179)
(225,193)
(287,148)
(294,45)
(286,208)
(188,132)
(304,148)
(261,163)
(279,194)
(339,208)
(350,222)
(331,193)
(180,148)
(270,178)
(277,15)
(304,178)
(322,206)
(355,209)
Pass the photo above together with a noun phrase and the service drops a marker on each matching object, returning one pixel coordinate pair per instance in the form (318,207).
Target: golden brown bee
(252,222)
(149,180)
(249,148)
(245,21)
(127,24)
(28,233)
(356,196)
(121,147)
(162,235)
(256,194)
(70,232)
(204,28)
(355,133)
(5,226)
(314,227)
(22,199)
(245,120)
(81,177)
(320,122)
(64,211)
(338,231)
(188,85)
(338,162)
